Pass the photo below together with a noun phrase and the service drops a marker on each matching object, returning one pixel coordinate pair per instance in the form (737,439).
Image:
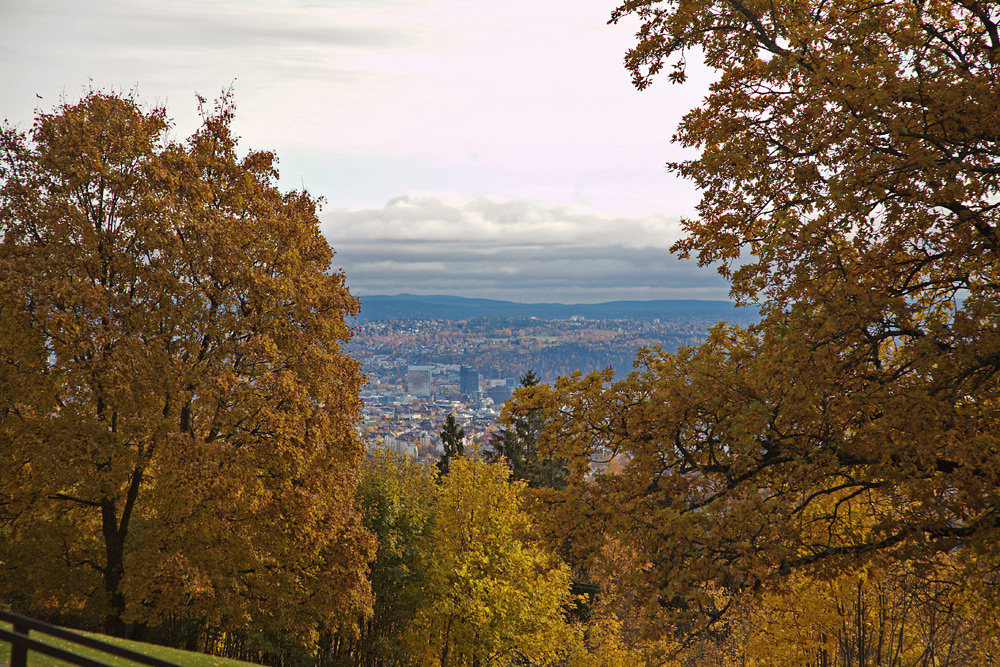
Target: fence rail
(21,643)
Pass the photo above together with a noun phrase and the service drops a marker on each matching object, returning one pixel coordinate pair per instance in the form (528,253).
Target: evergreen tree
(453,439)
(518,444)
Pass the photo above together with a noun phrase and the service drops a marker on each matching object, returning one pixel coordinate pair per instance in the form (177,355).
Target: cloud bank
(512,250)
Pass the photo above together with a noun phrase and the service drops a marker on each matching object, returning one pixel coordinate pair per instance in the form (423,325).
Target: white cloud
(511,249)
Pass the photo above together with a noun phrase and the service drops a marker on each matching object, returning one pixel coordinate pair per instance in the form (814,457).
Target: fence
(21,643)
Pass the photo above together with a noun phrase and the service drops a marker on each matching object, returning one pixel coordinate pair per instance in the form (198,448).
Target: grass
(176,656)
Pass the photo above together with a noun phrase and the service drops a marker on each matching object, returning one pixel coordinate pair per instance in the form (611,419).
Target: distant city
(421,369)
(406,416)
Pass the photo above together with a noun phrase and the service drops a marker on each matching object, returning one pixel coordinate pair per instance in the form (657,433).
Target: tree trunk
(447,643)
(115,531)
(114,569)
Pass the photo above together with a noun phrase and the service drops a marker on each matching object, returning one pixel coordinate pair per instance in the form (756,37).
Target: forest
(178,455)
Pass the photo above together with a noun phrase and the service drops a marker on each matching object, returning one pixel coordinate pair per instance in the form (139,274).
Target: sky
(464,147)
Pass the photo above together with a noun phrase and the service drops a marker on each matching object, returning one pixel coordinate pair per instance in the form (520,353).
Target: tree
(884,615)
(845,147)
(176,410)
(517,443)
(453,439)
(396,496)
(850,169)
(494,596)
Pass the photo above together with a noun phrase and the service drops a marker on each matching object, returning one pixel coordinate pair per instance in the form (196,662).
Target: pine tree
(453,439)
(518,444)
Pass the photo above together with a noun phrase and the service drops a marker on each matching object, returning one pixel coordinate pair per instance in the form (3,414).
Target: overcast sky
(468,147)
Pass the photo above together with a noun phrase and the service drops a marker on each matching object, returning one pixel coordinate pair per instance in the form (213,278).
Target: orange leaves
(857,116)
(759,454)
(850,169)
(189,333)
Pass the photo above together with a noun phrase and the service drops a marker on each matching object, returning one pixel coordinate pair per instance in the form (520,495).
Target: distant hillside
(415,307)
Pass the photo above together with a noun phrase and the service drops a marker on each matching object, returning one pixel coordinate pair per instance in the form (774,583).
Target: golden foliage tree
(493,596)
(460,579)
(176,410)
(850,170)
(883,615)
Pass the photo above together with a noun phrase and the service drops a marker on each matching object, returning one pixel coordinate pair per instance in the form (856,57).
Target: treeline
(415,307)
(586,528)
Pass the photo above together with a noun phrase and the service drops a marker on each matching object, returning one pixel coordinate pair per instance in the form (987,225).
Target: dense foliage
(461,577)
(177,438)
(849,160)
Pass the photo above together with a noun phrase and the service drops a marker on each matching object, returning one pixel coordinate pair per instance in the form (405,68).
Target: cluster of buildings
(405,411)
(471,385)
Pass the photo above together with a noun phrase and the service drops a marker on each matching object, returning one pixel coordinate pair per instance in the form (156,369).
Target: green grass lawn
(176,656)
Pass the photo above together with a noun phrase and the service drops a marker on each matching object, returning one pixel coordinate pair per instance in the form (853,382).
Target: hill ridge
(447,307)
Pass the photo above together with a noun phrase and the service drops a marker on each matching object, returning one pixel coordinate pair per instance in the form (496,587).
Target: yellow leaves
(492,593)
(882,614)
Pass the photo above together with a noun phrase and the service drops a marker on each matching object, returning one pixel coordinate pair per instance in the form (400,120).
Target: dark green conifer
(453,438)
(519,446)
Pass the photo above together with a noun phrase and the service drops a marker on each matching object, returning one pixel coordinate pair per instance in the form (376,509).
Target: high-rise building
(499,391)
(418,380)
(468,380)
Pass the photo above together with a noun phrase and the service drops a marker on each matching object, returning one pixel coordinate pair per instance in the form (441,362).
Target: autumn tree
(494,595)
(885,614)
(849,163)
(396,497)
(176,410)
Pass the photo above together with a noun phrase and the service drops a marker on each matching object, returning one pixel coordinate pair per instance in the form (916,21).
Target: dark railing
(21,643)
